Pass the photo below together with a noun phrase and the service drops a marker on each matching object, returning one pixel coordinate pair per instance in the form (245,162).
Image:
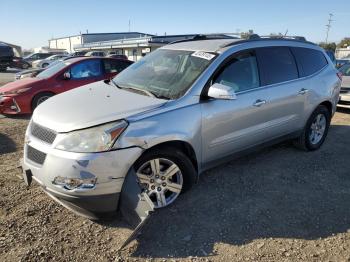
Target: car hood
(19,84)
(91,105)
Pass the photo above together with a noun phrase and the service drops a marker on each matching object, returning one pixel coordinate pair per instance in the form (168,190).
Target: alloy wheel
(162,179)
(317,129)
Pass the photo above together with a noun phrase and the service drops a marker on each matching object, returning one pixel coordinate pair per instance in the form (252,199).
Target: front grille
(35,155)
(43,133)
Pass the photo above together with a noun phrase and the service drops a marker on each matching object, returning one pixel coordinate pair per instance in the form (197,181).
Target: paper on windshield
(203,55)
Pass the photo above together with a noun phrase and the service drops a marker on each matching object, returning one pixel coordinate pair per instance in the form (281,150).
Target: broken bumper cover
(109,169)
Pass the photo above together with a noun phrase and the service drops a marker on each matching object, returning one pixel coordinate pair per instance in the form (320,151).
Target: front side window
(277,65)
(309,60)
(165,73)
(241,73)
(86,69)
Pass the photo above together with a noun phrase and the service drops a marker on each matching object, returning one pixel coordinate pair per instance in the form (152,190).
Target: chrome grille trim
(43,133)
(35,155)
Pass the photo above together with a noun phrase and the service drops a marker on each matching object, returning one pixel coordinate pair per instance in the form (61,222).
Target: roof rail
(256,37)
(199,37)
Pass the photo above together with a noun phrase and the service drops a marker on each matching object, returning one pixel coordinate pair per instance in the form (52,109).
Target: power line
(328,26)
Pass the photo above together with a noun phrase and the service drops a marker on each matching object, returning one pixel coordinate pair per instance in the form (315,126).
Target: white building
(67,43)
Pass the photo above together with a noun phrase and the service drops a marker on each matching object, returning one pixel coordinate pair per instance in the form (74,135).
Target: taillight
(340,76)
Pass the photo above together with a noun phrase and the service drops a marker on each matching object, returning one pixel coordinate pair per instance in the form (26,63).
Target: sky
(31,23)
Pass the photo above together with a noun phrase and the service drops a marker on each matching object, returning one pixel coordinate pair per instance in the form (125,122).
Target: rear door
(82,73)
(287,93)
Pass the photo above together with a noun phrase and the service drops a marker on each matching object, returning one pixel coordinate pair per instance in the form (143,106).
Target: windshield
(50,71)
(165,73)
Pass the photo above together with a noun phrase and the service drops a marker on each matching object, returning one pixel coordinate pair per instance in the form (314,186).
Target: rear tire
(161,183)
(315,130)
(45,65)
(39,98)
(25,66)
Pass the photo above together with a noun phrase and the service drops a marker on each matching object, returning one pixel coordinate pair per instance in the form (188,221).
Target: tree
(345,42)
(328,46)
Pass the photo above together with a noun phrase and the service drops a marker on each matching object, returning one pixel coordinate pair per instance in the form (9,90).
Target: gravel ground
(278,204)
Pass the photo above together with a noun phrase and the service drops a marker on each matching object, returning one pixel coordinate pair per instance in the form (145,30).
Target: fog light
(75,183)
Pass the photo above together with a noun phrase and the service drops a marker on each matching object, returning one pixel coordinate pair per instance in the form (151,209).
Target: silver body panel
(213,128)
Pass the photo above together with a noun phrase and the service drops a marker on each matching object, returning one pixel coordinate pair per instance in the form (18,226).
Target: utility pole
(328,26)
(129,25)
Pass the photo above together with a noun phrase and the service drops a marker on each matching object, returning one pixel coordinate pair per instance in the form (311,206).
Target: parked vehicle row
(345,86)
(138,141)
(24,95)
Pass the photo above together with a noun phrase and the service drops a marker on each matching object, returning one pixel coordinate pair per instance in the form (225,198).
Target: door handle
(303,91)
(259,102)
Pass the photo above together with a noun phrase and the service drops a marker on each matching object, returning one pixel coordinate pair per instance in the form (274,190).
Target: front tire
(315,131)
(45,65)
(164,174)
(39,98)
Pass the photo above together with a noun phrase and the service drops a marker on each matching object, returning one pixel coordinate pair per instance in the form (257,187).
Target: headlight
(15,92)
(90,140)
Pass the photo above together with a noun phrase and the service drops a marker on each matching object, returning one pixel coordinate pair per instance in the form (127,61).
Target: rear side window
(112,66)
(277,65)
(241,73)
(309,61)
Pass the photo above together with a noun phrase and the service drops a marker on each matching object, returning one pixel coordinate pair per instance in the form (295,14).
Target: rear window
(309,61)
(277,65)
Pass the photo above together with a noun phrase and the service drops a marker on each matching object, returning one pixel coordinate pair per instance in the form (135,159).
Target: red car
(22,96)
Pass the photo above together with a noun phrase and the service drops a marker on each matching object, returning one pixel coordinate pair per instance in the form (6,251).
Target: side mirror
(219,91)
(66,76)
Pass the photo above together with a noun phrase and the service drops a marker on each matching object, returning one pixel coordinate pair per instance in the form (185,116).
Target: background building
(69,42)
(135,48)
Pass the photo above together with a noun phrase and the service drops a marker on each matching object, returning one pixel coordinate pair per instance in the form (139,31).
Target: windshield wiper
(149,93)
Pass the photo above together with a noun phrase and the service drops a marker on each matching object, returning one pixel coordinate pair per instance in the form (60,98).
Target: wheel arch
(40,93)
(184,146)
(328,105)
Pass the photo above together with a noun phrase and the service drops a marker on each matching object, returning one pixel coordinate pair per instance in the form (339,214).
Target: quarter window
(241,73)
(277,64)
(86,69)
(309,60)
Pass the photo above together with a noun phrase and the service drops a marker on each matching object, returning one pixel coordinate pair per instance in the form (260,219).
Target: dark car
(6,56)
(78,53)
(118,56)
(19,62)
(341,62)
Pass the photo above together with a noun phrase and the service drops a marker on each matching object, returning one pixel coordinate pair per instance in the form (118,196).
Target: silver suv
(139,140)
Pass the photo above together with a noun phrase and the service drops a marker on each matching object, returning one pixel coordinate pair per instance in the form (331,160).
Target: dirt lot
(278,204)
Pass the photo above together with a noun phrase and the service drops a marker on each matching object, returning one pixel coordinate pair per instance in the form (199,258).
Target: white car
(48,61)
(345,85)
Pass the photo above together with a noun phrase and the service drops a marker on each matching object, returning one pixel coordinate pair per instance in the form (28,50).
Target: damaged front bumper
(108,169)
